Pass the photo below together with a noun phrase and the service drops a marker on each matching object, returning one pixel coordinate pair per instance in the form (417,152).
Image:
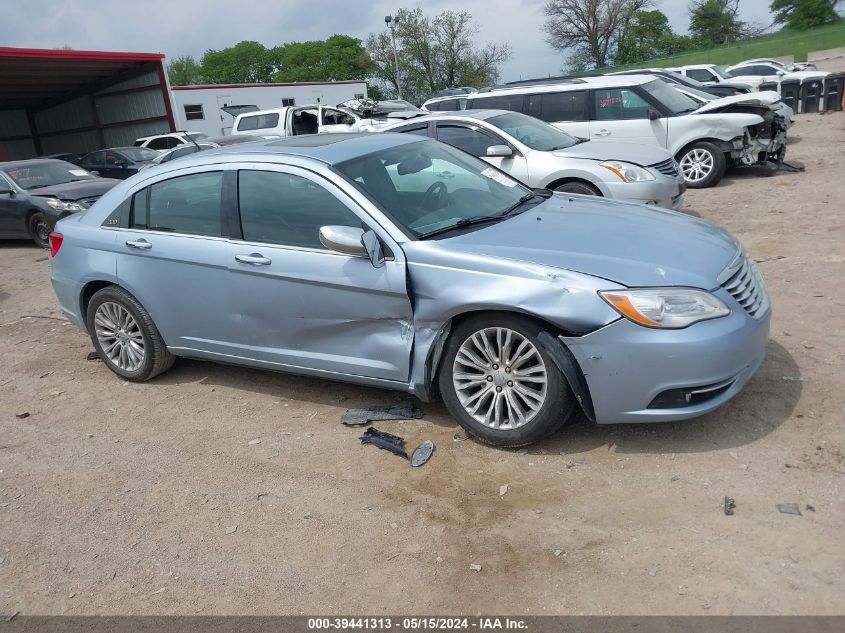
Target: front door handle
(256,259)
(142,244)
(601,133)
(445,174)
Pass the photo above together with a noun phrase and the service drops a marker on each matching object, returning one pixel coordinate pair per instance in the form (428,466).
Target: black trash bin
(810,95)
(834,89)
(769,85)
(789,92)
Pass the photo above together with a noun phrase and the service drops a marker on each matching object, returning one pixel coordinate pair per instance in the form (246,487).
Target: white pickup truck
(351,116)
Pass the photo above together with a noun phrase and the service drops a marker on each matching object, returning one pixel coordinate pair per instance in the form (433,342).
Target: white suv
(165,142)
(644,109)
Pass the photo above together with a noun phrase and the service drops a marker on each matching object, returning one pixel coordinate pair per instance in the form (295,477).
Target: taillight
(55,243)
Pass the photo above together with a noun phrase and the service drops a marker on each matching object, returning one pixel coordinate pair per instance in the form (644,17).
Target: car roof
(473,114)
(611,81)
(326,148)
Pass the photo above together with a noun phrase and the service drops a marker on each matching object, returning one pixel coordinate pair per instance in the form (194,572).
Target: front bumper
(627,366)
(663,191)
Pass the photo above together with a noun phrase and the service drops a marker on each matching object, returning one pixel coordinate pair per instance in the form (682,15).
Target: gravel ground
(220,490)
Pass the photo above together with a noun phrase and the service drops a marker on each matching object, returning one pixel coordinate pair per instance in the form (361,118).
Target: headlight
(61,205)
(670,308)
(628,172)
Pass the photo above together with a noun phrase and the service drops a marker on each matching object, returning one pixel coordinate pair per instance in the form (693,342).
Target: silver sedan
(353,257)
(541,155)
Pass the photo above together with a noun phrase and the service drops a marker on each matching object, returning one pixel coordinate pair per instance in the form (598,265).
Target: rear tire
(125,336)
(575,186)
(40,229)
(499,383)
(702,164)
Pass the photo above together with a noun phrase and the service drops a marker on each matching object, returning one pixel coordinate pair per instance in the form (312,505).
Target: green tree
(716,22)
(434,53)
(648,35)
(337,58)
(804,14)
(184,71)
(245,62)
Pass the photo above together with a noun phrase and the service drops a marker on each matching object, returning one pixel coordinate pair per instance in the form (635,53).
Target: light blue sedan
(349,257)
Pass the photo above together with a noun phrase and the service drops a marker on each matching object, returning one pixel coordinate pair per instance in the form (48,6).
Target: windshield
(429,186)
(197,136)
(46,174)
(138,154)
(669,97)
(533,132)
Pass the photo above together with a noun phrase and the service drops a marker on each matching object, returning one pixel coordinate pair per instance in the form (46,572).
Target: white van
(294,121)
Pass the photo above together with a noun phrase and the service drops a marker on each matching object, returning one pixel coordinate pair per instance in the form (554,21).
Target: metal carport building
(54,101)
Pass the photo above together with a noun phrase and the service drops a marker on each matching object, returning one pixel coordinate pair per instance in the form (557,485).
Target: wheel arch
(87,292)
(579,179)
(549,337)
(725,146)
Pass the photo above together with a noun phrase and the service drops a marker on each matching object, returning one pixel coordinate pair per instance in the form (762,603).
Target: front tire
(39,229)
(499,383)
(575,186)
(702,164)
(125,336)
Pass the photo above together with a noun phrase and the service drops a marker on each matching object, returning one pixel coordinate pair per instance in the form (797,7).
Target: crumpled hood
(77,190)
(630,244)
(640,154)
(764,99)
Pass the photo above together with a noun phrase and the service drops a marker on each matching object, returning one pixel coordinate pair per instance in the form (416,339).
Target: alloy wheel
(500,378)
(119,336)
(697,164)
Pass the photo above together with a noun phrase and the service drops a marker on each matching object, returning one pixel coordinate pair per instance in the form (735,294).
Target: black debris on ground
(405,410)
(92,356)
(730,506)
(383,440)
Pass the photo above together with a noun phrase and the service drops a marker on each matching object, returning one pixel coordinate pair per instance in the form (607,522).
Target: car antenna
(190,138)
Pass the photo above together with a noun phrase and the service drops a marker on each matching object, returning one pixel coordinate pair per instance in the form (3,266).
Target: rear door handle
(256,259)
(601,133)
(142,244)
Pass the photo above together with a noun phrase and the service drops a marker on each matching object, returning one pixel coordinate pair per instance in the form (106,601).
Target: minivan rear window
(258,121)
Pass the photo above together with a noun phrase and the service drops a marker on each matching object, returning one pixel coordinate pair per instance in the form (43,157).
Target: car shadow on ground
(765,403)
(735,174)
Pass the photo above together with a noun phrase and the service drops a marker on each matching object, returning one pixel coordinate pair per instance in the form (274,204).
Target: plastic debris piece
(730,506)
(811,508)
(231,529)
(386,441)
(503,490)
(405,410)
(92,356)
(255,441)
(789,508)
(474,567)
(460,437)
(543,451)
(22,415)
(422,453)
(558,552)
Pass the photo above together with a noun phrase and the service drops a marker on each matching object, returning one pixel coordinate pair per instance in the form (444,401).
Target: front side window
(428,187)
(186,204)
(670,98)
(287,209)
(472,141)
(138,154)
(194,112)
(258,121)
(533,133)
(701,74)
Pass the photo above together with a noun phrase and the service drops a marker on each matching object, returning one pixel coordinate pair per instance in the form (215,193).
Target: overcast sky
(193,26)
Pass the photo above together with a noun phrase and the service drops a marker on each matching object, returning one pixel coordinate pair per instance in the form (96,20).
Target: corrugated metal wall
(13,123)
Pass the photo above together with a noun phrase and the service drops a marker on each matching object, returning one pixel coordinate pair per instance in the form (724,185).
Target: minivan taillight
(55,243)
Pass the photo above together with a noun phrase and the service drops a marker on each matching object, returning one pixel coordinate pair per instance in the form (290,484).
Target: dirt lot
(120,498)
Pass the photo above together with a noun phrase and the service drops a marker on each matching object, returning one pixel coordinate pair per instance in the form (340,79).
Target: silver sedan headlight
(628,172)
(61,205)
(668,308)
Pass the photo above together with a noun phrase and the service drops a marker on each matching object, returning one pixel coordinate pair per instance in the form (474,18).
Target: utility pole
(391,22)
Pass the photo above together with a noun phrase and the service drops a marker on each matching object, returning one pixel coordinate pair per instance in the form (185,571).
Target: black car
(721,89)
(76,159)
(37,193)
(118,162)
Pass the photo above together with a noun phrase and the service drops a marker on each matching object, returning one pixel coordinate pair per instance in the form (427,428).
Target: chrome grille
(87,202)
(668,167)
(743,282)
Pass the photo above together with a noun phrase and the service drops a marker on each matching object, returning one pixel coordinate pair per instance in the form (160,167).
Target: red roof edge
(59,53)
(268,85)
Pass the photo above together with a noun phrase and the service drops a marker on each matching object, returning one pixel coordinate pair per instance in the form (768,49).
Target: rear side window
(419,130)
(187,204)
(471,141)
(620,104)
(286,209)
(165,142)
(258,121)
(512,102)
(559,106)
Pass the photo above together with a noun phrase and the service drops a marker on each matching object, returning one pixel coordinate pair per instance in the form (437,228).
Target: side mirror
(653,115)
(344,239)
(780,73)
(502,151)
